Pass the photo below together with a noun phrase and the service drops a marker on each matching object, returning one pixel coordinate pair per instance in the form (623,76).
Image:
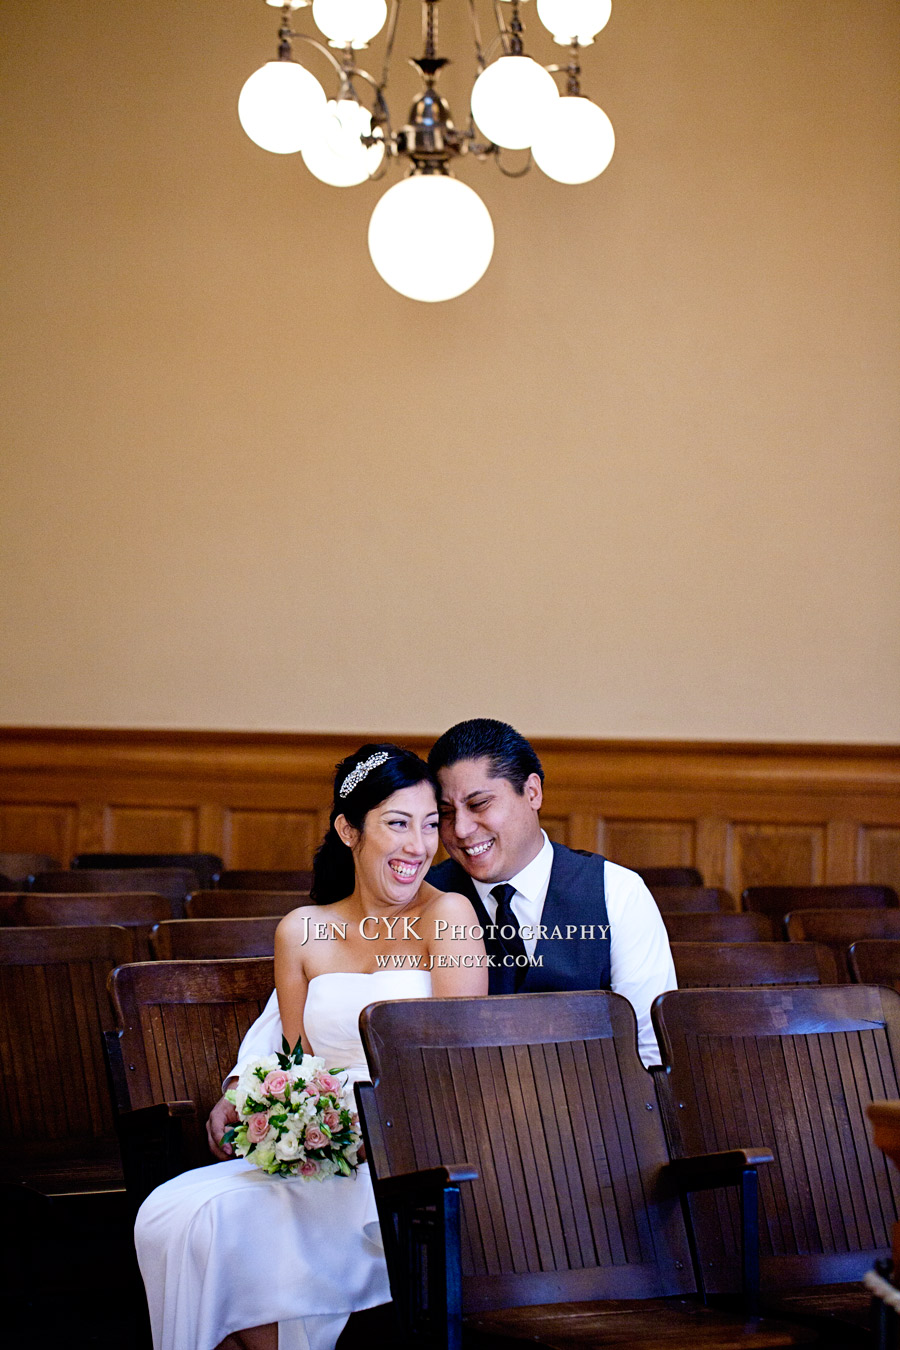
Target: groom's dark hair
(511,756)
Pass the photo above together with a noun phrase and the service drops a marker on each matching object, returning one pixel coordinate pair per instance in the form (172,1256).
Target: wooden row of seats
(572,1178)
(787,1070)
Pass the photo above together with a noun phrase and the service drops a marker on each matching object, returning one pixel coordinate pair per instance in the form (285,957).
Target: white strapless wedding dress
(226,1247)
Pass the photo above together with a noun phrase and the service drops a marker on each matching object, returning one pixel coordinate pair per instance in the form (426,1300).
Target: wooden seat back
(55,1114)
(205,866)
(545,1095)
(213,939)
(173,882)
(876,961)
(791,1070)
(180,1026)
(781,900)
(719,927)
(717,965)
(694,900)
(239,904)
(838,928)
(138,913)
(669,876)
(18,868)
(258,879)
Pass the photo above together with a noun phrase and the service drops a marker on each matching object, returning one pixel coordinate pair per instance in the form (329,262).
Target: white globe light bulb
(431,237)
(333,150)
(349,23)
(576,141)
(510,100)
(574,20)
(277,105)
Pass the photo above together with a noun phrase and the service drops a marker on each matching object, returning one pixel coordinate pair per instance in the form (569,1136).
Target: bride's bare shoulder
(298,925)
(449,905)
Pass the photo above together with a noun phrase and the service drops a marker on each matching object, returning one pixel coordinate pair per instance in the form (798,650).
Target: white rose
(287,1149)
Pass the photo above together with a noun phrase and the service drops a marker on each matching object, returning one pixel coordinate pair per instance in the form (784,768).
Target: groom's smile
(487,826)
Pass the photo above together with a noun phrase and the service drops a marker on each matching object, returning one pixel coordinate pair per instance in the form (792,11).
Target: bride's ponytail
(362,781)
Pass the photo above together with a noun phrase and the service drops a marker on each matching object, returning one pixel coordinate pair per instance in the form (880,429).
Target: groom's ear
(347,833)
(534,791)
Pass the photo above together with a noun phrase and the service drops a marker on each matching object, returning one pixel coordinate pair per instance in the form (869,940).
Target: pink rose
(311,1091)
(332,1119)
(314,1137)
(308,1168)
(257,1127)
(275,1083)
(326,1082)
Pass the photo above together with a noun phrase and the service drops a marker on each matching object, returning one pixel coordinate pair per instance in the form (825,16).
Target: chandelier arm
(313,42)
(476,37)
(504,33)
(389,43)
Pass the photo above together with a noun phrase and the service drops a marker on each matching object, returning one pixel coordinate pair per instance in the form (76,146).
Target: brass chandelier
(430,235)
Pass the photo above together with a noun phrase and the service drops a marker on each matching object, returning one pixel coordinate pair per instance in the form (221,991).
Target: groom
(554,919)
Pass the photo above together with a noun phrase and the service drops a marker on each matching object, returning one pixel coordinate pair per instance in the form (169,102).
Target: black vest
(575,951)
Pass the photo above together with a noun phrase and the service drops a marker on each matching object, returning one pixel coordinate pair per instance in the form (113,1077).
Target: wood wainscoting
(744,814)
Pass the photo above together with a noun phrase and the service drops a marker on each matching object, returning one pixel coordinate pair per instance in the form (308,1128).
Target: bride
(233,1258)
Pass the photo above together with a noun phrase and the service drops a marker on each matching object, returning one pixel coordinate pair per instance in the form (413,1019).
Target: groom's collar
(531,881)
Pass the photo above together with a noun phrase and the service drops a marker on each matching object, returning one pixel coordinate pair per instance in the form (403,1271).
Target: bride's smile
(395,849)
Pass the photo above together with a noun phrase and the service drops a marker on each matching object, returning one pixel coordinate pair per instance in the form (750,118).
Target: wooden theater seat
(138,913)
(523,1184)
(55,1118)
(205,866)
(669,876)
(174,882)
(717,965)
(838,928)
(18,868)
(719,927)
(236,879)
(876,961)
(180,1026)
(781,900)
(791,1069)
(213,939)
(243,904)
(694,899)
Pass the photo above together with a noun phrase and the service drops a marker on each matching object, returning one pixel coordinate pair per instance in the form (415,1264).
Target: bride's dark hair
(367,777)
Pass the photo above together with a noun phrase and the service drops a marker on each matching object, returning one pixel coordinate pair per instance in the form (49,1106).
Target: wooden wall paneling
(878,855)
(39,827)
(151,829)
(210,828)
(711,849)
(761,851)
(840,852)
(743,814)
(557,828)
(650,843)
(276,839)
(91,829)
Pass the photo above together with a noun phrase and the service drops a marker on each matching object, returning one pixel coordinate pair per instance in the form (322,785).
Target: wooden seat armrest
(412,1185)
(705,1171)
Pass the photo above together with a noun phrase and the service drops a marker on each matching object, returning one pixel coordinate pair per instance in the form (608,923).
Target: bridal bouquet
(297,1119)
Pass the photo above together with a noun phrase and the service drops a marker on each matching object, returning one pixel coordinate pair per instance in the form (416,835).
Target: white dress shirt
(641,963)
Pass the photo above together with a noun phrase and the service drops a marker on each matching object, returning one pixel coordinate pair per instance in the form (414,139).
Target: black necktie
(512,946)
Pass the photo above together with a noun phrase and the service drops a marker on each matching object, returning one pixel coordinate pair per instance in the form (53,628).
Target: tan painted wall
(641,481)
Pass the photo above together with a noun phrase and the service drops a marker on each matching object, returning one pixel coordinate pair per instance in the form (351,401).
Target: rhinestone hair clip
(356,776)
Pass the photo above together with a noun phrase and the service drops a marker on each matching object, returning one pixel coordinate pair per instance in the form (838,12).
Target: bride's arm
(291,981)
(458,961)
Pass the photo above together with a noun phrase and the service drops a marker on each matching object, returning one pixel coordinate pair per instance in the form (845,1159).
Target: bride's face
(397,843)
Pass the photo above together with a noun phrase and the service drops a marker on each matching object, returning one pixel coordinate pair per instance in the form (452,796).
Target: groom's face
(488,827)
